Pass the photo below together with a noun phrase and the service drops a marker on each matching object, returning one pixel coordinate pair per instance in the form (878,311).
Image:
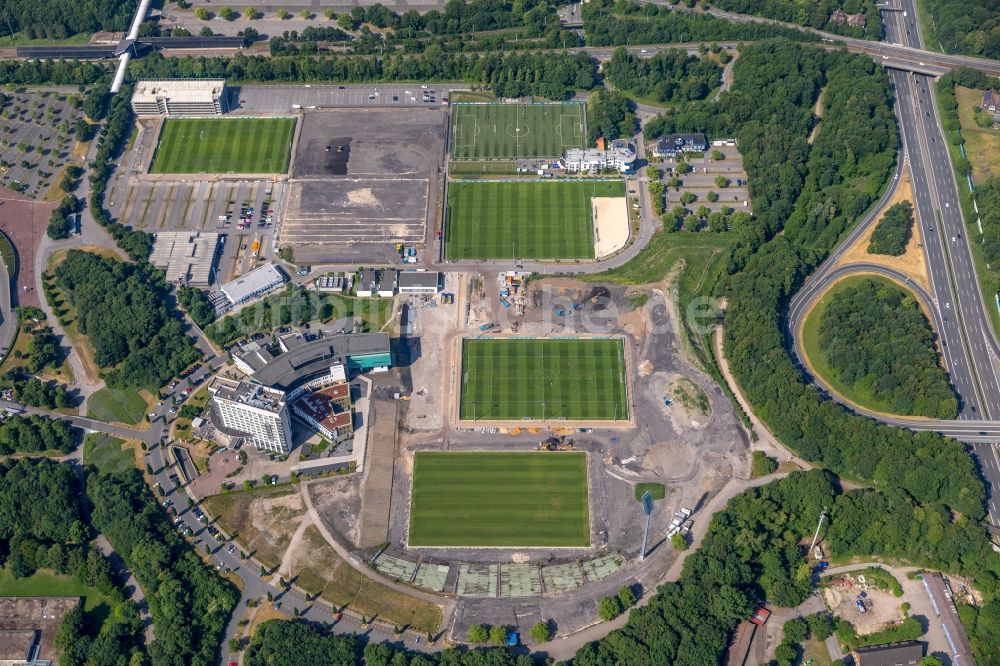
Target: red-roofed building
(328,411)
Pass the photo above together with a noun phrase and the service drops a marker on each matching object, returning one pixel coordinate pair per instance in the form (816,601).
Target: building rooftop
(178,90)
(321,406)
(427,279)
(16,644)
(906,653)
(316,356)
(253,282)
(248,393)
(187,257)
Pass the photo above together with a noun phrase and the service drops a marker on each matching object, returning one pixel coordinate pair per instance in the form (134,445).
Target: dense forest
(137,340)
(815,14)
(551,75)
(35,434)
(57,19)
(769,109)
(877,340)
(963,26)
(189,604)
(893,231)
(623,22)
(610,114)
(668,76)
(55,72)
(54,535)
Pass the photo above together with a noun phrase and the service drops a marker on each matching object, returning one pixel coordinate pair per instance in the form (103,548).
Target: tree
(226,13)
(721,182)
(345,21)
(610,114)
(283,13)
(250,13)
(201,14)
(712,196)
(931,660)
(498,634)
(541,631)
(306,14)
(609,608)
(206,32)
(679,541)
(717,155)
(892,233)
(329,14)
(477,633)
(626,596)
(688,197)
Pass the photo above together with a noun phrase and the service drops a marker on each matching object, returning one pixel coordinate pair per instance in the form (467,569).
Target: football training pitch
(224,145)
(573,379)
(518,499)
(527,220)
(498,131)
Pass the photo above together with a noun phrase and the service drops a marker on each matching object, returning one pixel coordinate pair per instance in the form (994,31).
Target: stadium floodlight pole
(647,508)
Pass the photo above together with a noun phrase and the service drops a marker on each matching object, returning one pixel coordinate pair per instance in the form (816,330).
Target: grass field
(982,145)
(110,404)
(224,145)
(107,453)
(529,220)
(498,131)
(579,379)
(499,499)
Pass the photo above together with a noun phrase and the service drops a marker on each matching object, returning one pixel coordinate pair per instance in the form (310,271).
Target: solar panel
(65,52)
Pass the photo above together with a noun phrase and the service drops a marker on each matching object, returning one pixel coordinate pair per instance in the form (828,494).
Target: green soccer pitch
(574,379)
(224,145)
(516,500)
(499,131)
(527,220)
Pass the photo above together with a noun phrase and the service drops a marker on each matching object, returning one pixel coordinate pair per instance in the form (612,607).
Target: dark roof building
(906,653)
(419,282)
(672,144)
(991,100)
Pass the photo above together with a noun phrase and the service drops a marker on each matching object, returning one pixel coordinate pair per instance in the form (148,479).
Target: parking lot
(254,100)
(362,183)
(197,206)
(702,179)
(36,140)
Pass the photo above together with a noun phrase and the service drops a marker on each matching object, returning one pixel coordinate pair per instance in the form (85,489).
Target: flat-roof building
(258,412)
(368,283)
(28,626)
(620,156)
(251,357)
(255,283)
(179,97)
(905,653)
(187,257)
(355,352)
(419,282)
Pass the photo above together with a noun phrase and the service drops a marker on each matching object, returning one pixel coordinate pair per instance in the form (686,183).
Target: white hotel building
(253,411)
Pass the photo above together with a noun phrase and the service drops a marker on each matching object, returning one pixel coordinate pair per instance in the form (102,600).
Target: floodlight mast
(647,508)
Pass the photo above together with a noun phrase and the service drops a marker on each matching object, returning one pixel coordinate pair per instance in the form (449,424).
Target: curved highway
(955,301)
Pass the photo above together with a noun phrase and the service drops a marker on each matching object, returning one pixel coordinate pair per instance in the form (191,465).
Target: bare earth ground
(611,226)
(912,262)
(263,525)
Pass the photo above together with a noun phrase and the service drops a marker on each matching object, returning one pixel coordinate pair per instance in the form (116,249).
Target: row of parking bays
(205,206)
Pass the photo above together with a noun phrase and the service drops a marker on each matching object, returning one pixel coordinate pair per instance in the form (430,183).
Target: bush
(477,633)
(541,632)
(609,608)
(762,464)
(679,541)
